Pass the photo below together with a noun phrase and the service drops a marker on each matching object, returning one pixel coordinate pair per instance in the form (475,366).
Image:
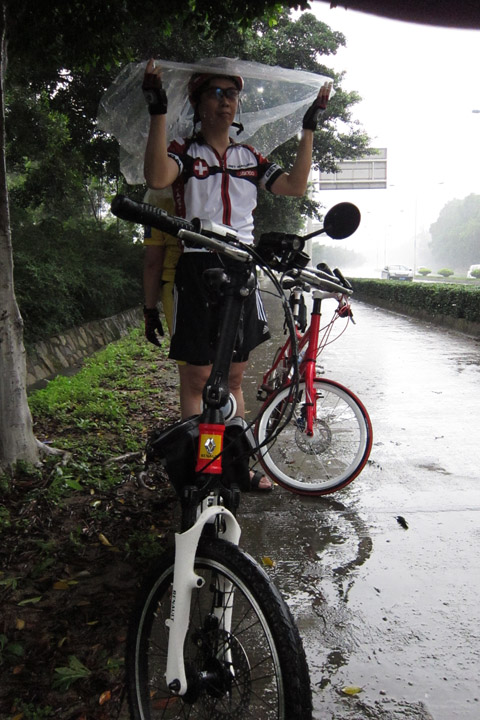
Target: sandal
(255,478)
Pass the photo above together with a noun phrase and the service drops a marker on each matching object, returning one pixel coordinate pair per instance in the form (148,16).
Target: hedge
(437,299)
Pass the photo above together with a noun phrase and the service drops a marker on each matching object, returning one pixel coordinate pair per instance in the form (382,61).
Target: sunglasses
(218,93)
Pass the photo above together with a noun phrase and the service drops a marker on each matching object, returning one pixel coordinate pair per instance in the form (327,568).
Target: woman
(213,177)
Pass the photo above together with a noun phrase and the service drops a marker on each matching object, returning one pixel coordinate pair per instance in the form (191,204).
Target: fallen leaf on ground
(268,562)
(61,585)
(352,690)
(105,697)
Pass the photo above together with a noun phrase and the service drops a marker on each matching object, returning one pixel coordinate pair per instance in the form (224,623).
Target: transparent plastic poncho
(272,106)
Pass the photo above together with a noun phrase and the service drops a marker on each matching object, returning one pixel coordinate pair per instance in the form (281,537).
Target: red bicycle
(314,434)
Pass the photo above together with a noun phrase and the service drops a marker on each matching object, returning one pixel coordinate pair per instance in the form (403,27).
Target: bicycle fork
(309,365)
(185,580)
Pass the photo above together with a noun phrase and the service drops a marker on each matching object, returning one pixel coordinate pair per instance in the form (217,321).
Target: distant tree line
(456,234)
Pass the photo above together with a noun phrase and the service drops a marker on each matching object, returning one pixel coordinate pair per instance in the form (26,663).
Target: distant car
(471,269)
(397,272)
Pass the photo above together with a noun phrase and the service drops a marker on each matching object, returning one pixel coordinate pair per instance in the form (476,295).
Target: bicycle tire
(330,459)
(266,675)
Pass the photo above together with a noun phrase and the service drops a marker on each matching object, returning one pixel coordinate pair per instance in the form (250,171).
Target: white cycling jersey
(220,189)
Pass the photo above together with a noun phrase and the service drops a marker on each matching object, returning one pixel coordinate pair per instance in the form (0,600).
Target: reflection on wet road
(389,609)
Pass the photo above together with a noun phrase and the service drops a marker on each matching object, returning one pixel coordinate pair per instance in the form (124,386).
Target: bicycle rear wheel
(336,452)
(255,668)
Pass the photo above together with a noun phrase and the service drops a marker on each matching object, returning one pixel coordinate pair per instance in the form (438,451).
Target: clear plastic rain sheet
(272,105)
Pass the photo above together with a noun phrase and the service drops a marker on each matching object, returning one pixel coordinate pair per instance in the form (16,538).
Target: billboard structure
(365,173)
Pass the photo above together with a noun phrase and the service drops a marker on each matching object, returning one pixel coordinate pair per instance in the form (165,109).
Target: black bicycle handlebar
(203,233)
(145,214)
(219,238)
(336,275)
(346,283)
(216,244)
(321,280)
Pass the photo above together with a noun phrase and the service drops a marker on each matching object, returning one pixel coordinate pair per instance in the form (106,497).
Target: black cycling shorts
(197,315)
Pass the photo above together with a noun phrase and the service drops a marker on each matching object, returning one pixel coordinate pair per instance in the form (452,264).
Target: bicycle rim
(336,452)
(254,668)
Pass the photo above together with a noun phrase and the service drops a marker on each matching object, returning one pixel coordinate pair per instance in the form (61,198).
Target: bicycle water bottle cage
(282,251)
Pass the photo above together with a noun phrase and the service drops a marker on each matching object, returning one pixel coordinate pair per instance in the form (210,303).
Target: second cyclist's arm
(152,273)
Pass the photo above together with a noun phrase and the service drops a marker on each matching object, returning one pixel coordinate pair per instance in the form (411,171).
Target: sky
(419,85)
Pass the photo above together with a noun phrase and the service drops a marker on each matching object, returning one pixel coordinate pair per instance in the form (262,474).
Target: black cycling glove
(154,94)
(152,325)
(317,108)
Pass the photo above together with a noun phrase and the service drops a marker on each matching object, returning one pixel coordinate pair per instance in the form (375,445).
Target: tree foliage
(62,171)
(456,234)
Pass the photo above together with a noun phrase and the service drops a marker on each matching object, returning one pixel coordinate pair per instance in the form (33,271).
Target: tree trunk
(17,441)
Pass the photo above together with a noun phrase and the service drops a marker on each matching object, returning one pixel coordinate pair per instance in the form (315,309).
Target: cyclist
(162,252)
(216,178)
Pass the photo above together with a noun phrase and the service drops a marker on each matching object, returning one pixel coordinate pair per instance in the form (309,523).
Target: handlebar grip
(346,283)
(325,269)
(145,214)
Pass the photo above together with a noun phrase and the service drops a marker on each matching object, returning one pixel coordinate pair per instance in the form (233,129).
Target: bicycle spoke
(332,455)
(235,661)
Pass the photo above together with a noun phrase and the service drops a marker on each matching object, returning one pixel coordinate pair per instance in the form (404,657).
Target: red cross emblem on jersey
(200,168)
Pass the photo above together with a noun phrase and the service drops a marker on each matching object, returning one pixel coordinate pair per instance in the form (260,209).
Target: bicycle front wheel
(249,665)
(332,456)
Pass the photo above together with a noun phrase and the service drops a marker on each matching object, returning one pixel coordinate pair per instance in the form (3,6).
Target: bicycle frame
(308,347)
(237,283)
(207,463)
(308,363)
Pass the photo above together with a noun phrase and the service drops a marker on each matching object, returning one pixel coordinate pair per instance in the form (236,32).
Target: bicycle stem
(234,287)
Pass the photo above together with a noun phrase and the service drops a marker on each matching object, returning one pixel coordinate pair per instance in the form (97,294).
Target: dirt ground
(68,577)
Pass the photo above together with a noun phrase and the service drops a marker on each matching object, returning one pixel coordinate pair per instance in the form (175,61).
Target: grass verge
(78,532)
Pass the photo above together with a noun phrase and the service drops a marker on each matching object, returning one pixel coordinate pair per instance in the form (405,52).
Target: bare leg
(235,384)
(192,382)
(235,380)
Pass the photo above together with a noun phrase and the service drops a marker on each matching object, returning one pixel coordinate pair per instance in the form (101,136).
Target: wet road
(394,611)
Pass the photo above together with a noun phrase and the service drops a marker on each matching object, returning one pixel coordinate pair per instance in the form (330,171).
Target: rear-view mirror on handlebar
(341,221)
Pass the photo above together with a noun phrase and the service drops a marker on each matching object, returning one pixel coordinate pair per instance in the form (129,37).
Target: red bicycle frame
(309,346)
